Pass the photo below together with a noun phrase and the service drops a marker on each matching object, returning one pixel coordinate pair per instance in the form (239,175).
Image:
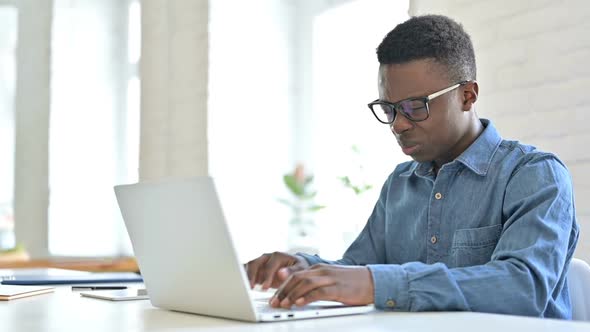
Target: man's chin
(420,158)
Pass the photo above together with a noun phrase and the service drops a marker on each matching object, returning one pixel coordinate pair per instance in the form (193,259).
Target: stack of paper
(9,292)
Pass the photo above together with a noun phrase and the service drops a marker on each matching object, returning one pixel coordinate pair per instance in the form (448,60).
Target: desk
(65,310)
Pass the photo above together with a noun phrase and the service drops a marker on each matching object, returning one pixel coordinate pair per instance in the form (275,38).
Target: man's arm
(368,248)
(272,269)
(525,271)
(330,280)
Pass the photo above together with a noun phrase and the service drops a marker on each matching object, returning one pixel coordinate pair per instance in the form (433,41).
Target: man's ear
(470,92)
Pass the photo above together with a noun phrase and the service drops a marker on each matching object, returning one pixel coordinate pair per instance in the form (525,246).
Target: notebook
(69,279)
(187,256)
(16,292)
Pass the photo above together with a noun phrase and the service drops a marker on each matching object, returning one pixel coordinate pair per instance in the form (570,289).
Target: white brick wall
(174,69)
(534,77)
(31,174)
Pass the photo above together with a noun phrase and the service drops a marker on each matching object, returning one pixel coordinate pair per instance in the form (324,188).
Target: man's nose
(400,124)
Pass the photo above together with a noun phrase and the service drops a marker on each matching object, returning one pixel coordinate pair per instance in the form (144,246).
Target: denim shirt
(494,231)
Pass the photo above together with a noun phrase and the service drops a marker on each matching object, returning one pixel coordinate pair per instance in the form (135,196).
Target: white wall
(532,59)
(173,70)
(31,174)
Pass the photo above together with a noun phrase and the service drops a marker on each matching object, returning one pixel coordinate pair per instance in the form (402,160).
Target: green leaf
(345,180)
(315,208)
(295,187)
(309,195)
(356,189)
(286,202)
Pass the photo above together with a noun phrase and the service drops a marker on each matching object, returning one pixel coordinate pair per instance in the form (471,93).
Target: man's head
(432,37)
(421,56)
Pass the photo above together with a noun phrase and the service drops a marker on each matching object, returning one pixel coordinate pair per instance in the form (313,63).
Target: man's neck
(470,136)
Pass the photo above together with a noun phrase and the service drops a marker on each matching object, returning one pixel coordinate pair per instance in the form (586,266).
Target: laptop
(187,257)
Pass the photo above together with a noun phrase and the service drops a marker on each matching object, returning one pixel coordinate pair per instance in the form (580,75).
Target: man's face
(439,137)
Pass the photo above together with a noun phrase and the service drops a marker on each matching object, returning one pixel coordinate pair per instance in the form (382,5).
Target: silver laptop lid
(184,249)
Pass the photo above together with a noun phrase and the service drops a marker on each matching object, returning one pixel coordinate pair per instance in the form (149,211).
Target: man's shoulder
(520,154)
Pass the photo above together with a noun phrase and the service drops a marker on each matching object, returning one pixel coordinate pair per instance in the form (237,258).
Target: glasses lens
(384,112)
(413,109)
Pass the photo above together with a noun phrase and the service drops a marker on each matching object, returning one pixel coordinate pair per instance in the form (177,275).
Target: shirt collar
(477,157)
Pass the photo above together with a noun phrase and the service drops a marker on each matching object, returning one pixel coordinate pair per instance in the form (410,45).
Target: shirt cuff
(391,287)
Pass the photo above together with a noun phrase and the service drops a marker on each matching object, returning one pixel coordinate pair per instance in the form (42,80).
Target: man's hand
(271,270)
(351,285)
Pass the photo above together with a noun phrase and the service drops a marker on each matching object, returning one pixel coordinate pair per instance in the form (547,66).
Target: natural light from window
(93,134)
(348,141)
(248,114)
(8,37)
(261,125)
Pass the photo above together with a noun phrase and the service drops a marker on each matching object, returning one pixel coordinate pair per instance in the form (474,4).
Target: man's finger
(253,267)
(266,275)
(326,293)
(274,263)
(248,274)
(285,272)
(293,282)
(274,300)
(305,286)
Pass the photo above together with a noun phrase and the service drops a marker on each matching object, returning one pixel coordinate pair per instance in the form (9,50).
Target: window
(8,36)
(344,66)
(298,76)
(248,113)
(94,124)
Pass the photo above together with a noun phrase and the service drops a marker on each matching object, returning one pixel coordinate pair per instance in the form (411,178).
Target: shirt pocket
(474,246)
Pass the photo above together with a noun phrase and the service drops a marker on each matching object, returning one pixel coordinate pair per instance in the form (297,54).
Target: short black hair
(430,37)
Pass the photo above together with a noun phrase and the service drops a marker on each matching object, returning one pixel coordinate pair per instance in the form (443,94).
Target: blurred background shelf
(21,260)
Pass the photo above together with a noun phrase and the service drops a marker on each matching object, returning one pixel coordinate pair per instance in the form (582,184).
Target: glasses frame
(425,99)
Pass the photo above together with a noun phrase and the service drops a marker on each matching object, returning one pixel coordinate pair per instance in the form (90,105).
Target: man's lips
(408,148)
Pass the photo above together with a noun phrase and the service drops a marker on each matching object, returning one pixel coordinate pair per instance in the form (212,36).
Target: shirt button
(438,195)
(390,303)
(433,239)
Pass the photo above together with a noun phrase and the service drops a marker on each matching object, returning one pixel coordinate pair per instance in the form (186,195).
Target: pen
(98,287)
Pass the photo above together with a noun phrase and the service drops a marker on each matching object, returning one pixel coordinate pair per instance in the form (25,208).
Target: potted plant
(356,182)
(302,226)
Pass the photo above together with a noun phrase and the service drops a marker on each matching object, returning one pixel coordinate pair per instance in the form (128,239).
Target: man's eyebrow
(404,99)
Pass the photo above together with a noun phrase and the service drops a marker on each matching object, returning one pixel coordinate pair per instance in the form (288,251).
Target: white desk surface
(65,310)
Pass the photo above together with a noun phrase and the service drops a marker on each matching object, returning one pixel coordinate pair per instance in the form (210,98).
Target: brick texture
(174,76)
(534,77)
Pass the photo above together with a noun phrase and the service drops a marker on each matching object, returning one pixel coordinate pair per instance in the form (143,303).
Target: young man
(474,222)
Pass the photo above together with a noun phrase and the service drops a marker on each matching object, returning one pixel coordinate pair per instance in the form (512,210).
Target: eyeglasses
(415,109)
